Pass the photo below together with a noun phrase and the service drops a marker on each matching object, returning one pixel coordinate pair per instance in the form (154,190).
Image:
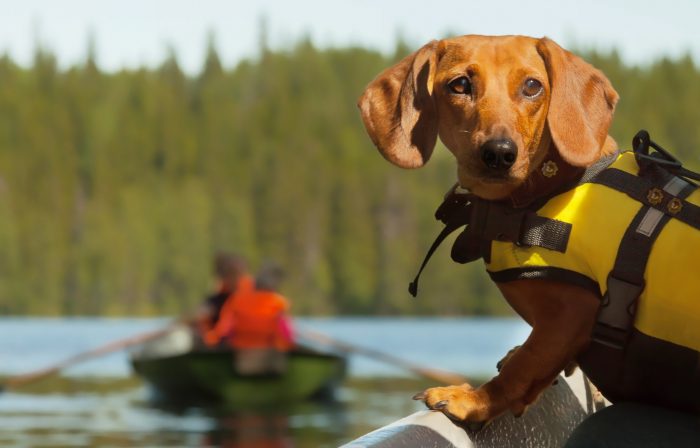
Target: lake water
(100,402)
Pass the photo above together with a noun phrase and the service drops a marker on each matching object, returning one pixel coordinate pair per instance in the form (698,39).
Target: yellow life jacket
(669,305)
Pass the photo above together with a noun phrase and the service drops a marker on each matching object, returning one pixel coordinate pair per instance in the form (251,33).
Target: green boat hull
(210,375)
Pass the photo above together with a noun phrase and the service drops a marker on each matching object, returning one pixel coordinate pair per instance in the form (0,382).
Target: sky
(130,33)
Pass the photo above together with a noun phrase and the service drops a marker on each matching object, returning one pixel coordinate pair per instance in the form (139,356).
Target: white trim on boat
(548,422)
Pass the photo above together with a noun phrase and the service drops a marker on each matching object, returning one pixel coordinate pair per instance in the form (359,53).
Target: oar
(440,376)
(114,346)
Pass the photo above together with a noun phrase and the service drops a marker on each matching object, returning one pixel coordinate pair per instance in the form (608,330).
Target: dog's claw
(570,369)
(419,396)
(440,405)
(474,426)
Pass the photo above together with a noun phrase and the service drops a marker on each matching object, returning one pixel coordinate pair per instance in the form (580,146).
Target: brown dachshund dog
(502,106)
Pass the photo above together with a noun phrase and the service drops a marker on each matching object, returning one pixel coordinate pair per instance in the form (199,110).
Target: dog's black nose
(499,154)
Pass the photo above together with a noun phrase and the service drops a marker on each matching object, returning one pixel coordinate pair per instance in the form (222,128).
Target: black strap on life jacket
(626,281)
(488,221)
(648,189)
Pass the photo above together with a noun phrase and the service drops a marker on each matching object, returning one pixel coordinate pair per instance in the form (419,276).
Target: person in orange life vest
(260,317)
(231,274)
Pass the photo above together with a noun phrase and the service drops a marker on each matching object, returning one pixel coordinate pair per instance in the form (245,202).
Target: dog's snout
(499,154)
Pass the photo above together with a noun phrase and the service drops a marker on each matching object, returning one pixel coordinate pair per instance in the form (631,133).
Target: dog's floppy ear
(399,111)
(581,106)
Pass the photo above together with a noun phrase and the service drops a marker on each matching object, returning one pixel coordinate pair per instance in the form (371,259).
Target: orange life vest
(258,320)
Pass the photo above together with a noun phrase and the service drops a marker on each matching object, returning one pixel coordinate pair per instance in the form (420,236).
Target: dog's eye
(461,86)
(532,88)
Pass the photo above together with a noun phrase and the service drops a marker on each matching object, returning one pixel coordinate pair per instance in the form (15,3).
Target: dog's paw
(463,404)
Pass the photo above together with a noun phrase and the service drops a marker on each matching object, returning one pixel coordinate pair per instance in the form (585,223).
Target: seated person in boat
(256,324)
(231,275)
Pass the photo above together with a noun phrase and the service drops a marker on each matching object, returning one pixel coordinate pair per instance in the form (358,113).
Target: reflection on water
(250,430)
(119,412)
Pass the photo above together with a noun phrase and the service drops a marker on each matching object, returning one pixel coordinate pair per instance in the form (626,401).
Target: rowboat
(177,371)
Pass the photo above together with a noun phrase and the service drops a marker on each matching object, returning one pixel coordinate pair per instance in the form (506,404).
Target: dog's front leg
(562,316)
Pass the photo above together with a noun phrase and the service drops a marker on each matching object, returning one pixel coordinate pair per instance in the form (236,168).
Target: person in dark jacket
(230,270)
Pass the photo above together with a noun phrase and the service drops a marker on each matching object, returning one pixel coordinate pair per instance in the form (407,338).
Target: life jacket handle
(641,144)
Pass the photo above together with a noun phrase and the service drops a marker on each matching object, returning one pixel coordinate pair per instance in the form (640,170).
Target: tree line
(117,188)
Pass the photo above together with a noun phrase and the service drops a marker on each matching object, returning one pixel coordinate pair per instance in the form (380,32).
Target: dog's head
(497,103)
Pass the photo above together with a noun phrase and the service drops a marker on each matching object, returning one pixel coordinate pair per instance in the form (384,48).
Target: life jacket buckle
(617,311)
